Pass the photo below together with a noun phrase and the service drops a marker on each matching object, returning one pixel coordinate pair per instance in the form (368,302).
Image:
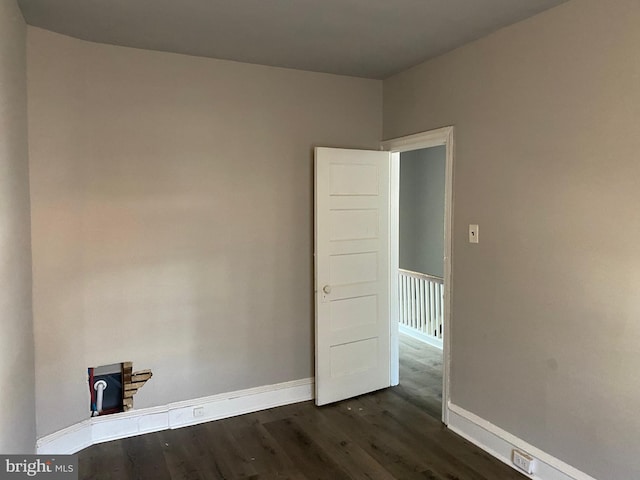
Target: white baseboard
(500,444)
(66,441)
(423,337)
(175,415)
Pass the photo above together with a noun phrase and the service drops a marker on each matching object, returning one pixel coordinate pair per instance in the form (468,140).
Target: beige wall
(17,391)
(172,216)
(546,308)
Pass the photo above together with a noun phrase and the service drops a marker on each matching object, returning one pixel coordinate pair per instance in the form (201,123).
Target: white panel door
(351,272)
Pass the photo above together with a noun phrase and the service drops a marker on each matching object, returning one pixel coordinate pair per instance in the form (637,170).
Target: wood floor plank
(105,461)
(420,375)
(439,440)
(267,455)
(308,457)
(341,448)
(427,436)
(144,455)
(388,448)
(230,453)
(119,462)
(182,454)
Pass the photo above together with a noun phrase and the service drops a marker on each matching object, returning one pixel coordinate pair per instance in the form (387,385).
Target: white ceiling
(365,38)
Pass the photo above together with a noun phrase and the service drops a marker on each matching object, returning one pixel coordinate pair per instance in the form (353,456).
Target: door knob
(327,289)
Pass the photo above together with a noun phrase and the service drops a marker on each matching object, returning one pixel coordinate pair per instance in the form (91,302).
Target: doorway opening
(420,266)
(421,276)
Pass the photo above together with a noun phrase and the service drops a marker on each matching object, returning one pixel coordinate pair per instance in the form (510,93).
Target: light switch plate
(473,234)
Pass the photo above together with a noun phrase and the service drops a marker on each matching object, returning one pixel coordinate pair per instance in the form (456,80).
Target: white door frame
(432,138)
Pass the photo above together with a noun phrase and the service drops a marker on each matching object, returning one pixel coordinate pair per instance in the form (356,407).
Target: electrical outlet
(198,412)
(523,461)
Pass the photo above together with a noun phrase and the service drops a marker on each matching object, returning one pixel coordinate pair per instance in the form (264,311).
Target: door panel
(353,312)
(353,268)
(353,224)
(352,180)
(352,276)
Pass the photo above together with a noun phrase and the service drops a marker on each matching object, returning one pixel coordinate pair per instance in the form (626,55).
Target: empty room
(204,227)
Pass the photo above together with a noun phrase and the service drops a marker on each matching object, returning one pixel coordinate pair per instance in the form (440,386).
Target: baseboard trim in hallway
(422,337)
(175,415)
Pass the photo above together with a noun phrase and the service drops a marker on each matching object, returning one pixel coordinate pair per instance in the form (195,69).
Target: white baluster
(401,296)
(405,288)
(423,306)
(431,305)
(439,309)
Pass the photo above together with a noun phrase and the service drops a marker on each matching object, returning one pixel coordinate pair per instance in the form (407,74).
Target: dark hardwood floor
(420,375)
(390,434)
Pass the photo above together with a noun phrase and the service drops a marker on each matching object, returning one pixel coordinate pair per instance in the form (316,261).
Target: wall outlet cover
(523,461)
(198,412)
